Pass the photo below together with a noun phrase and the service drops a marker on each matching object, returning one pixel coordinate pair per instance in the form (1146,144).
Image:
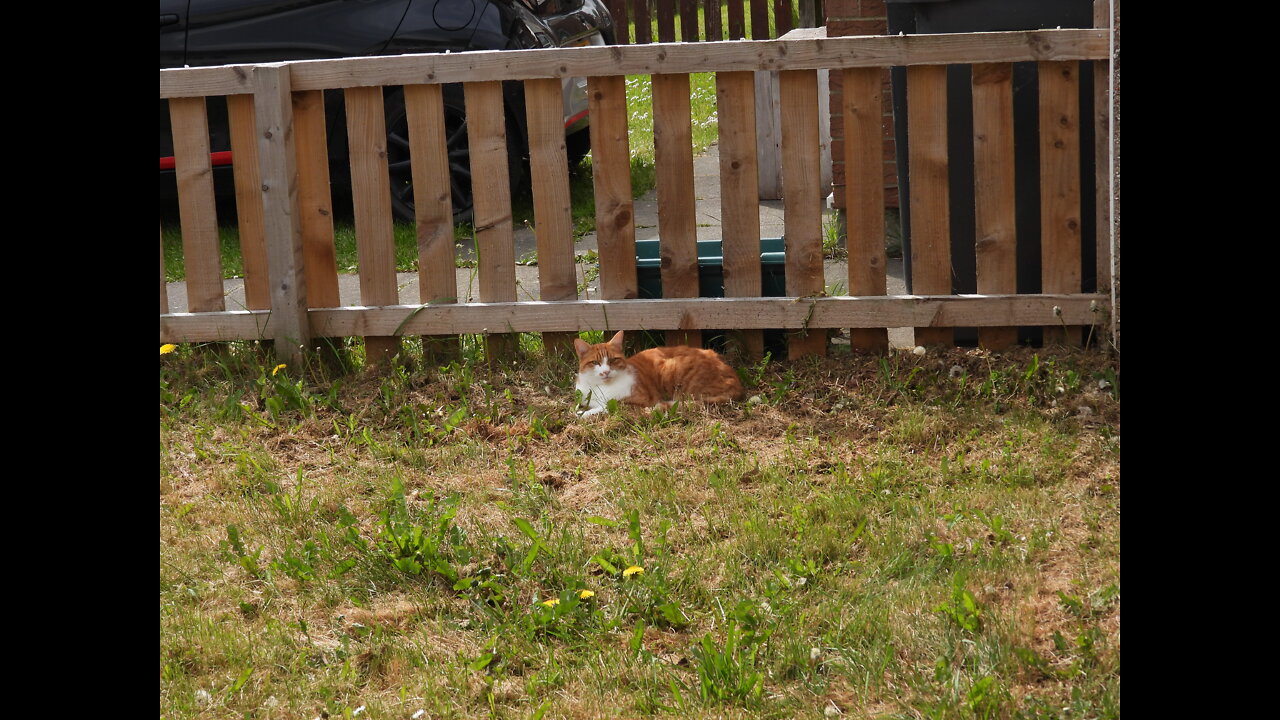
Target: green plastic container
(711,268)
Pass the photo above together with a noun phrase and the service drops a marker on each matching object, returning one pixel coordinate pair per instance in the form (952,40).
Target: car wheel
(455,133)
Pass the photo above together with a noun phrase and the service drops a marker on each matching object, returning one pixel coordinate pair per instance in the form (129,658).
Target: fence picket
(1060,186)
(711,17)
(802,199)
(737,21)
(432,205)
(993,191)
(196,212)
(863,113)
(930,203)
(666,11)
(611,173)
(781,17)
(759,19)
(315,206)
(553,216)
(164,285)
(491,188)
(371,200)
(677,223)
(277,163)
(740,207)
(248,182)
(1102,153)
(640,18)
(689,21)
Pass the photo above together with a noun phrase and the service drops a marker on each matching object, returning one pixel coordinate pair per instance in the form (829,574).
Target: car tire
(455,118)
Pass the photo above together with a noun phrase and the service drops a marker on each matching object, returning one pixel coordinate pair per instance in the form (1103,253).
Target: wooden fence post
(864,194)
(552,213)
(1102,148)
(273,108)
(739,203)
(677,222)
(993,191)
(491,188)
(802,200)
(432,205)
(1060,221)
(611,175)
(930,197)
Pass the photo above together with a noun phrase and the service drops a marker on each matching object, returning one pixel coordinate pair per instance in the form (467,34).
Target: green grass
(888,537)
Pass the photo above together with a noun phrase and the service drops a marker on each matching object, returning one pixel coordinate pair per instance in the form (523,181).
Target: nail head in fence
(993,191)
(491,190)
(432,205)
(202,257)
(273,110)
(611,174)
(930,205)
(315,205)
(739,203)
(371,201)
(677,221)
(552,212)
(802,199)
(248,183)
(863,112)
(1060,186)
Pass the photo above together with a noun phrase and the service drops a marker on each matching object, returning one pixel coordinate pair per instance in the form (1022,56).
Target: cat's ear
(581,347)
(616,341)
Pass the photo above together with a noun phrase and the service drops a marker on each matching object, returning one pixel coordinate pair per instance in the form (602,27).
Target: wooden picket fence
(287,233)
(737,23)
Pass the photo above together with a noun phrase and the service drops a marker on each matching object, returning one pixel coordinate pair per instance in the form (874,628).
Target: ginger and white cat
(657,376)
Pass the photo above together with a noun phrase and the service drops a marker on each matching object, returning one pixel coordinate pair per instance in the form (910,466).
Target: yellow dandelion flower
(167,348)
(586,594)
(633,570)
(277,369)
(552,602)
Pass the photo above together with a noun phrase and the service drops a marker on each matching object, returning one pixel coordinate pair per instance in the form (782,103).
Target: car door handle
(168,20)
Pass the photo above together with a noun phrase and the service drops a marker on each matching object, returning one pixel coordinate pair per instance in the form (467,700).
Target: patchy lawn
(909,536)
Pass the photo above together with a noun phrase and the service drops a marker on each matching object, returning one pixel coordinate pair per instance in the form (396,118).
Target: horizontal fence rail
(286,224)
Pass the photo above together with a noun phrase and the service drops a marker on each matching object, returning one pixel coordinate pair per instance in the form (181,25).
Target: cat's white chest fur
(600,384)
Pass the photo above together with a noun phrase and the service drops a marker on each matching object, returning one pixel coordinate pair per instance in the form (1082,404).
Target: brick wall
(859,17)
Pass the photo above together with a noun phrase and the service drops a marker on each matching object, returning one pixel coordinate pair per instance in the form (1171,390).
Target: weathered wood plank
(611,173)
(807,53)
(781,17)
(666,12)
(432,205)
(553,218)
(643,24)
(196,211)
(164,285)
(662,314)
(802,199)
(760,20)
(677,220)
(618,11)
(768,135)
(1060,186)
(371,201)
(491,188)
(863,112)
(278,172)
(993,191)
(930,200)
(737,22)
(248,182)
(1102,152)
(739,204)
(711,17)
(689,21)
(315,205)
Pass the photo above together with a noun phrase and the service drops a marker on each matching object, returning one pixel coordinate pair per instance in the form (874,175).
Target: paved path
(706,170)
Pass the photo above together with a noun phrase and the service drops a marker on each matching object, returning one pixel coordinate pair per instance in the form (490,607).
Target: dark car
(225,32)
